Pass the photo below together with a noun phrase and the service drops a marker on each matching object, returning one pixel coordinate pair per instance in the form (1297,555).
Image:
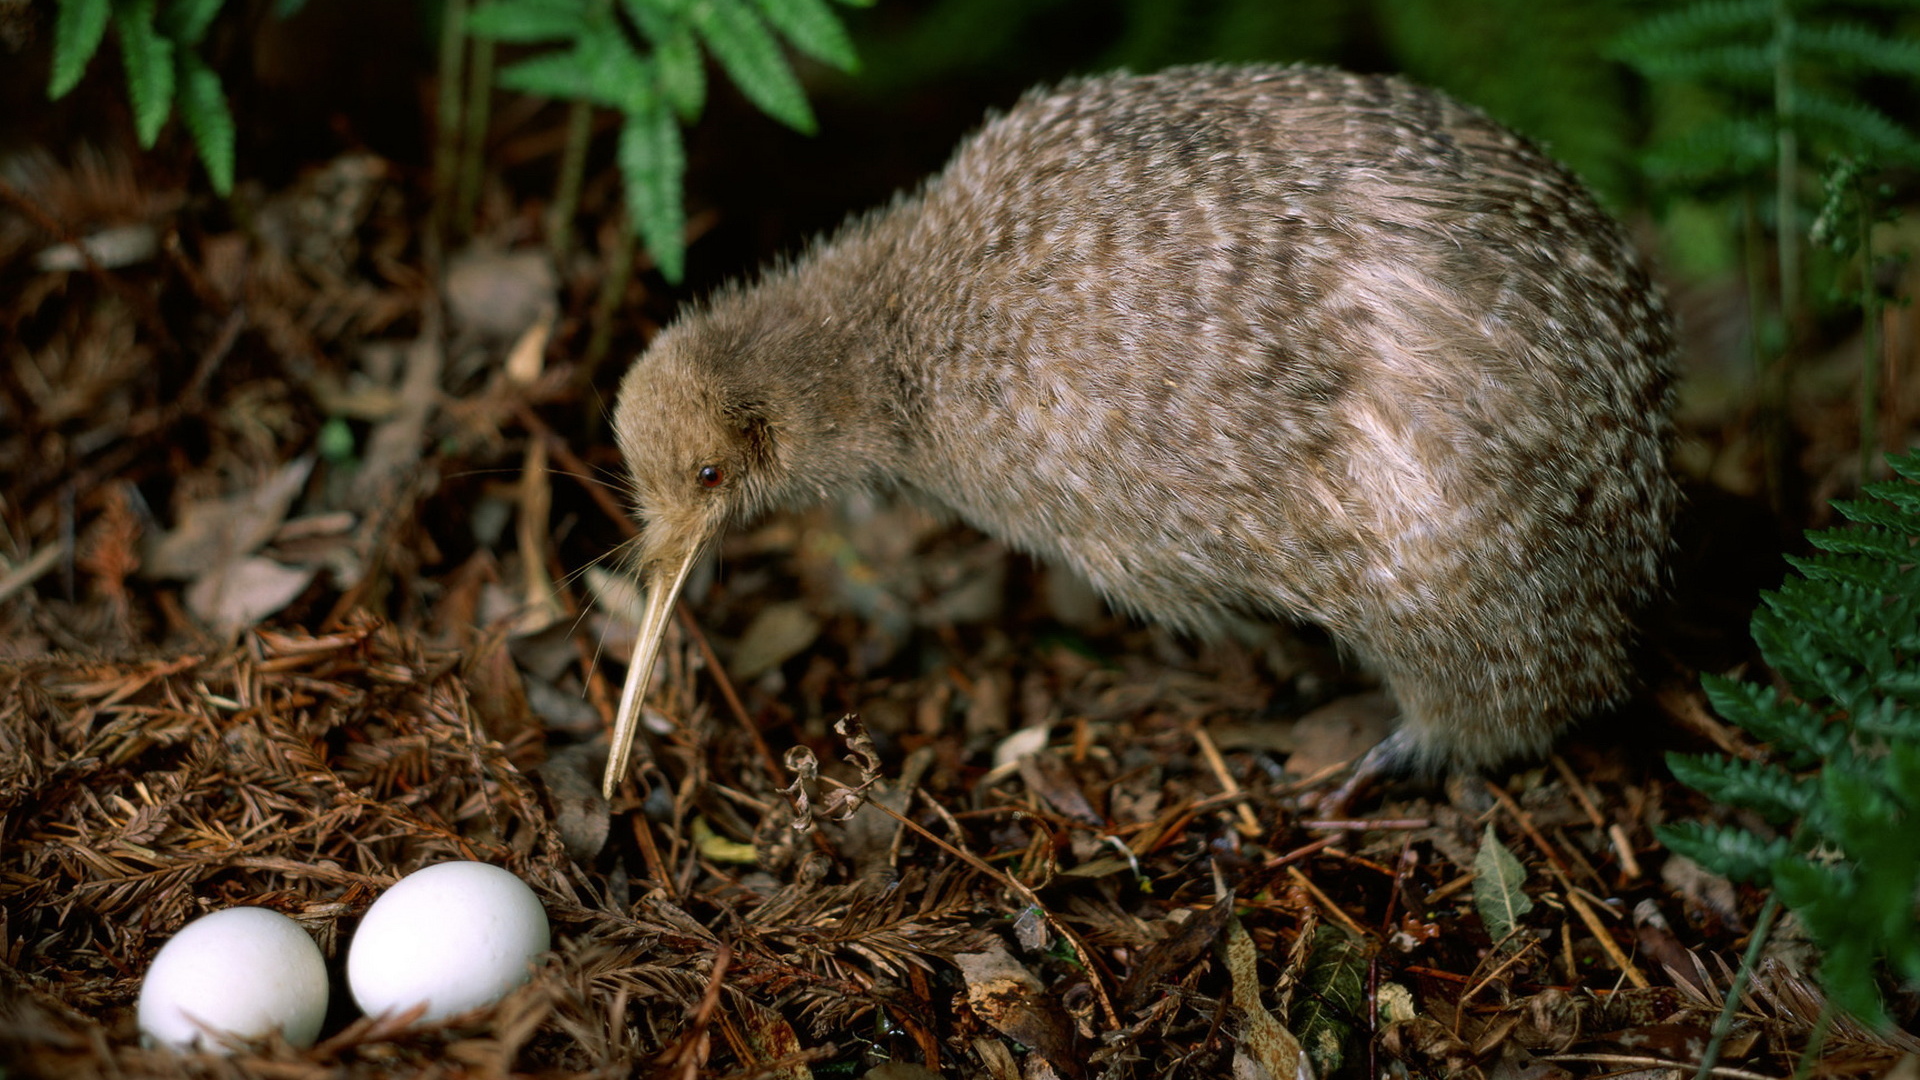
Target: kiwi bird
(1279,341)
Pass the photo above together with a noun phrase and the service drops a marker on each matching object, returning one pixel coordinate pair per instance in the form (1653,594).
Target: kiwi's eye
(711,476)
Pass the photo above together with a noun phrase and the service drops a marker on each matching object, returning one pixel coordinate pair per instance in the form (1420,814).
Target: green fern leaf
(856,3)
(527,21)
(78,29)
(554,75)
(676,55)
(1806,654)
(747,49)
(1795,731)
(203,108)
(1825,898)
(287,9)
(1854,47)
(1890,506)
(1738,65)
(814,29)
(185,22)
(1890,722)
(1902,494)
(1877,543)
(1868,575)
(1691,26)
(683,75)
(601,68)
(653,164)
(1765,788)
(1731,852)
(1722,150)
(149,62)
(1856,122)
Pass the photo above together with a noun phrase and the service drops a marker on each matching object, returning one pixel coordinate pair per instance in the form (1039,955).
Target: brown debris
(1030,777)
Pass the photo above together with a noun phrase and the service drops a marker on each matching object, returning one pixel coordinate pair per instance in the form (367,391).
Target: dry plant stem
(1631,1063)
(446,154)
(619,272)
(1816,1040)
(1599,931)
(692,629)
(1723,1025)
(1525,822)
(1249,825)
(1557,866)
(479,112)
(29,571)
(596,489)
(1484,981)
(566,190)
(1579,792)
(1326,902)
(1014,886)
(685,1059)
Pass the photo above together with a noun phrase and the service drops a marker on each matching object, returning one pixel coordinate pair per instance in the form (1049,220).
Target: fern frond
(1855,47)
(1855,122)
(1692,26)
(1734,853)
(601,68)
(185,22)
(1884,514)
(1888,722)
(814,29)
(527,21)
(653,164)
(1729,148)
(1813,643)
(1868,575)
(1795,731)
(676,52)
(148,58)
(203,108)
(554,74)
(1876,543)
(746,48)
(78,29)
(1738,65)
(1763,787)
(683,76)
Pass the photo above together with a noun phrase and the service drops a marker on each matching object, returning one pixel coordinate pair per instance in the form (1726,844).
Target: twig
(25,574)
(1012,884)
(1326,902)
(1249,825)
(1636,1062)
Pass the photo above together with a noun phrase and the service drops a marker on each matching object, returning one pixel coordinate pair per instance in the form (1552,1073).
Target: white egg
(245,970)
(454,936)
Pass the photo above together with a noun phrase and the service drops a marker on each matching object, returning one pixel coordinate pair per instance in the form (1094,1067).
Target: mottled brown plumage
(1282,341)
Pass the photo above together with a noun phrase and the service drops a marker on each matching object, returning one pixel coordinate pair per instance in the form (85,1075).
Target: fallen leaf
(778,634)
(215,532)
(238,594)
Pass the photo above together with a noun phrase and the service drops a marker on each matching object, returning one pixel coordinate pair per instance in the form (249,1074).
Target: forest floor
(308,550)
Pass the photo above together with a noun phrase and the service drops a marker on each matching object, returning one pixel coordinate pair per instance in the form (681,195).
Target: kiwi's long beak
(664,581)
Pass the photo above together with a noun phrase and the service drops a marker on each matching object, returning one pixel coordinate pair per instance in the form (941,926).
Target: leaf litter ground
(305,587)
